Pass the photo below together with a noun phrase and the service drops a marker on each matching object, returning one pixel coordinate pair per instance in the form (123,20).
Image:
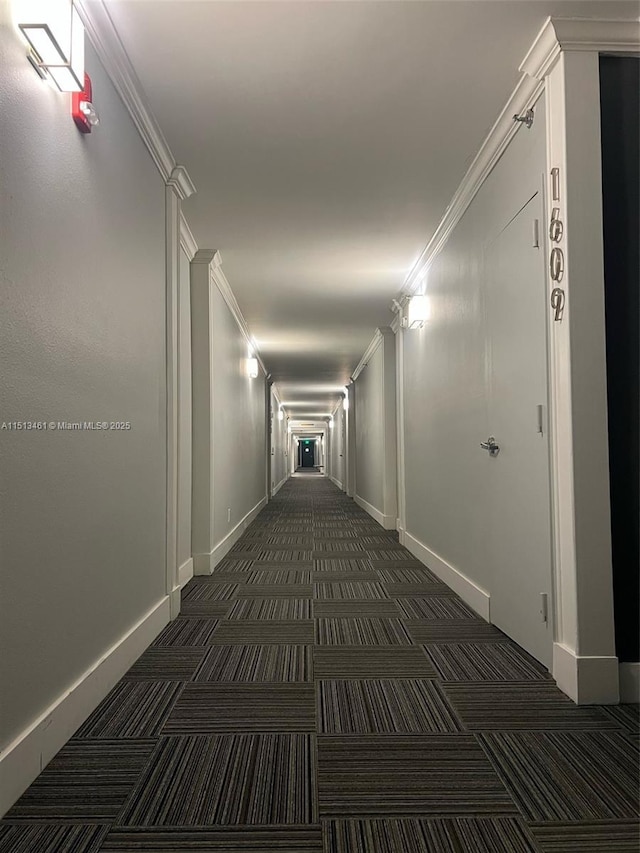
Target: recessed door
(517,441)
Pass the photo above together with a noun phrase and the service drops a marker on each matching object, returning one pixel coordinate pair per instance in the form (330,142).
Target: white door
(518,475)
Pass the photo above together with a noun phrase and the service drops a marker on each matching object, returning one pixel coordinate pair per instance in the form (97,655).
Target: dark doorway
(619,100)
(307,454)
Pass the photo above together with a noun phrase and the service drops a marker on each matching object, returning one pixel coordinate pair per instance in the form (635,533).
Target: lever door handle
(491,446)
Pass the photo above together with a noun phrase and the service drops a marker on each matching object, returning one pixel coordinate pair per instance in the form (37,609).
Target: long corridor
(323,691)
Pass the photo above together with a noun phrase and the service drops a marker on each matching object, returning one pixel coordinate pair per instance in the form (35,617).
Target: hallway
(323,691)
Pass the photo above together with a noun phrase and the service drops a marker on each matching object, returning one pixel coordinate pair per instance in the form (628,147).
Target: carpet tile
(349,589)
(354,632)
(371,662)
(247,779)
(209,590)
(522,705)
(275,590)
(242,707)
(406,776)
(564,776)
(428,631)
(279,576)
(133,709)
(87,782)
(607,836)
(435,607)
(228,839)
(454,835)
(271,663)
(344,608)
(297,632)
(52,838)
(187,632)
(323,691)
(199,609)
(168,664)
(384,706)
(485,662)
(270,608)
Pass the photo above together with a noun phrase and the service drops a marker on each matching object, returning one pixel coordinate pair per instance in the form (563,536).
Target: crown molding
(556,35)
(524,96)
(180,182)
(221,282)
(187,240)
(113,56)
(561,34)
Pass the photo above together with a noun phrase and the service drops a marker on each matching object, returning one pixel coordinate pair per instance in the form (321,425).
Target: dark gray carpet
(323,691)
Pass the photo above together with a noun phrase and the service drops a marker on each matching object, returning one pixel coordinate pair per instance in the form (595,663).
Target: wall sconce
(419,312)
(55,35)
(252,368)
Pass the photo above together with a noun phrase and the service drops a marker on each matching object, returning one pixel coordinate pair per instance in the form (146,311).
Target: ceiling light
(56,36)
(252,368)
(419,311)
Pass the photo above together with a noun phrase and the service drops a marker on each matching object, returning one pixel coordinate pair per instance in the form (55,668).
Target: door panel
(518,476)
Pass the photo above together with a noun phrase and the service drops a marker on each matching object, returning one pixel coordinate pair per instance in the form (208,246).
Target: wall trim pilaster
(587,679)
(386,521)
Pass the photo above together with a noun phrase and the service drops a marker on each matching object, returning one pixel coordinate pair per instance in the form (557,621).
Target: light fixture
(419,311)
(330,423)
(56,36)
(345,401)
(252,368)
(280,415)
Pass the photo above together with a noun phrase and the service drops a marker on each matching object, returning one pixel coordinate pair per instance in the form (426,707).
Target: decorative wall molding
(204,564)
(376,341)
(386,521)
(187,240)
(337,482)
(220,280)
(112,54)
(25,758)
(475,596)
(185,572)
(181,183)
(524,96)
(558,34)
(588,680)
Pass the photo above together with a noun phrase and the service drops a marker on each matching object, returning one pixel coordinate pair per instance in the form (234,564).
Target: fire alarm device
(82,109)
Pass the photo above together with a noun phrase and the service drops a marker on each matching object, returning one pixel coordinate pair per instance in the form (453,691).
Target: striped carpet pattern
(324,692)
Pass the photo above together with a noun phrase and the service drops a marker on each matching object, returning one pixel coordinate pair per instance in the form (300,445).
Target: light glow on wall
(419,311)
(252,368)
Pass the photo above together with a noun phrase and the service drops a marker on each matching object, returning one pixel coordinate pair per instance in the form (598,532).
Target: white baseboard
(25,758)
(587,680)
(275,491)
(185,572)
(336,482)
(386,521)
(630,682)
(204,564)
(470,592)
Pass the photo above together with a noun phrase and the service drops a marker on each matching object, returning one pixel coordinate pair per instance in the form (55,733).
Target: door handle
(491,446)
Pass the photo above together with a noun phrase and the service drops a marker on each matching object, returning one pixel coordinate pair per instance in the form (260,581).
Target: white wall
(279,446)
(184,420)
(238,425)
(82,266)
(337,446)
(447,378)
(374,404)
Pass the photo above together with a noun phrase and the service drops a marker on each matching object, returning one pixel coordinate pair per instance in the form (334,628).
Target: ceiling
(325,140)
